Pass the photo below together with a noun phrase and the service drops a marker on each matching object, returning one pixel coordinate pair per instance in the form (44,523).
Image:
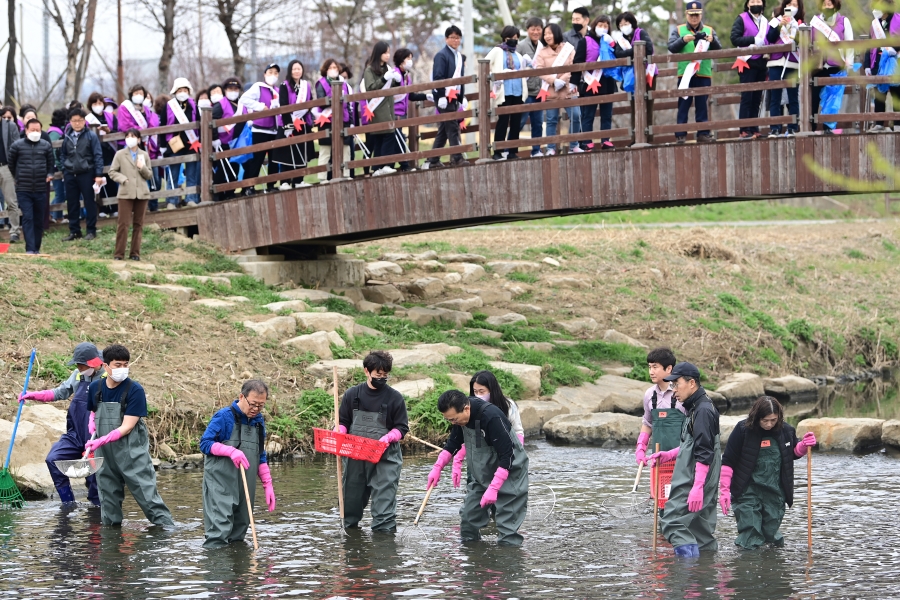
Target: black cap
(683,369)
(693,6)
(233,82)
(86,354)
(272,66)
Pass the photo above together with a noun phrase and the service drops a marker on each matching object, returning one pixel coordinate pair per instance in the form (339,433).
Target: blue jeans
(574,113)
(537,122)
(775,107)
(59,197)
(587,118)
(191,178)
(701,109)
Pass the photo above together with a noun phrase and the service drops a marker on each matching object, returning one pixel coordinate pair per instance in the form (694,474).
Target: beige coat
(545,58)
(132,181)
(498,65)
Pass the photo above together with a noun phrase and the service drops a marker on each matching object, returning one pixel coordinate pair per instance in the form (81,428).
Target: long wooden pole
(809,497)
(655,501)
(424,502)
(340,467)
(249,508)
(421,441)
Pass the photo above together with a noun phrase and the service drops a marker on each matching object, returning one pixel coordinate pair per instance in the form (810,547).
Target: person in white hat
(261,96)
(181,109)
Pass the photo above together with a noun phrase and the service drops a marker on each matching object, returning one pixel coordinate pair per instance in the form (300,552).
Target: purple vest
(838,29)
(750,28)
(292,99)
(265,96)
(191,113)
(401,106)
(346,91)
(593,49)
(791,56)
(893,29)
(227,111)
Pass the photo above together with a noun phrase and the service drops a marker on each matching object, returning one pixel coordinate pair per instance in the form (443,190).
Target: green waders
(364,481)
(760,508)
(667,426)
(225,515)
(679,525)
(512,499)
(126,462)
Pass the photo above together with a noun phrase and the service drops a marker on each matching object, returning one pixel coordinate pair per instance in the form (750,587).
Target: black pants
(224,172)
(701,105)
(511,122)
(253,166)
(32,205)
(816,95)
(881,102)
(383,144)
(80,188)
(751,101)
(448,132)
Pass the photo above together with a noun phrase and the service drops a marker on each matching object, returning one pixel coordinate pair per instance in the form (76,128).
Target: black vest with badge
(750,444)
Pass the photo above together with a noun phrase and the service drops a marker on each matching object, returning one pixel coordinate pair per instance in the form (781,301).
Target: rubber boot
(687,551)
(695,550)
(65,494)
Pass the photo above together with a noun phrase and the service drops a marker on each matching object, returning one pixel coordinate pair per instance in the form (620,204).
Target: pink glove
(392,436)
(92,427)
(266,477)
(640,452)
(663,457)
(458,461)
(490,495)
(435,475)
(340,429)
(695,497)
(112,436)
(237,457)
(44,396)
(725,489)
(521,437)
(808,441)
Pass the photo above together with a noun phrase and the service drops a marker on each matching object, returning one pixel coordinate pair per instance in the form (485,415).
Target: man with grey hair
(234,439)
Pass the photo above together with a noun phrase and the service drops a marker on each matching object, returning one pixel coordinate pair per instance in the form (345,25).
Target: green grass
(855,254)
(522,277)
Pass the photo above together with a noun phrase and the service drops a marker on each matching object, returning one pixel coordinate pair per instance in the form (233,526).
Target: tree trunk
(168,49)
(11,57)
(72,43)
(88,46)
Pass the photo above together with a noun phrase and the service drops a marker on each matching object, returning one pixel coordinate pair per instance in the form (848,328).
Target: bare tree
(80,18)
(11,57)
(347,22)
(164,14)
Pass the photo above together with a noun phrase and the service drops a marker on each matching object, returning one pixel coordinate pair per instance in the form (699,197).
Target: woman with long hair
(556,52)
(380,76)
(330,72)
(403,61)
(785,65)
(512,92)
(294,90)
(591,83)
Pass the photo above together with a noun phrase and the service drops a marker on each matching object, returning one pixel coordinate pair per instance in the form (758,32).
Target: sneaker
(284,186)
(302,185)
(607,145)
(550,152)
(13,238)
(436,165)
(790,132)
(102,215)
(536,153)
(385,170)
(576,150)
(72,237)
(31,253)
(192,204)
(118,258)
(115,214)
(513,157)
(135,258)
(705,138)
(498,157)
(896,128)
(875,129)
(680,139)
(90,236)
(774,133)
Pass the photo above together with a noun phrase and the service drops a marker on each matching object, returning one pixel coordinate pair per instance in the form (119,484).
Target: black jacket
(703,425)
(496,427)
(82,155)
(742,451)
(30,163)
(444,68)
(621,52)
(740,40)
(607,84)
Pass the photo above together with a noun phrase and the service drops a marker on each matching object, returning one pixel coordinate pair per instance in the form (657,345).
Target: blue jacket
(444,68)
(83,155)
(221,426)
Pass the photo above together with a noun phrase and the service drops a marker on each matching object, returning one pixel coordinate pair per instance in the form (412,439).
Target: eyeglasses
(76,121)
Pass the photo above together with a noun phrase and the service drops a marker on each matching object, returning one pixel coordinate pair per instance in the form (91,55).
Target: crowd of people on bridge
(126,191)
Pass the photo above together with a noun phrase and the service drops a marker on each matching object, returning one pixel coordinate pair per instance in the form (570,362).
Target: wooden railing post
(413,142)
(483,110)
(639,97)
(804,41)
(337,132)
(206,163)
(863,92)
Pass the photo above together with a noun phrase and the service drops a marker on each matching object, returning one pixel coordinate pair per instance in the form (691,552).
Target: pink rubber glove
(695,497)
(640,452)
(808,441)
(112,436)
(725,489)
(435,475)
(458,461)
(43,396)
(521,437)
(266,477)
(490,495)
(237,457)
(392,436)
(92,427)
(663,457)
(340,429)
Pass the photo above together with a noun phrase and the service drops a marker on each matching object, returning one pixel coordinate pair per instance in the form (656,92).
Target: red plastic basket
(349,446)
(663,474)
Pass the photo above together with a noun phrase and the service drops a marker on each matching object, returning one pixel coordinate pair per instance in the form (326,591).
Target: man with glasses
(82,161)
(376,411)
(689,518)
(496,463)
(234,440)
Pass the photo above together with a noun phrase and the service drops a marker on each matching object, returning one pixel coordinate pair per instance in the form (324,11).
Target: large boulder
(463,258)
(426,287)
(535,413)
(463,304)
(275,328)
(179,293)
(383,294)
(726,426)
(467,271)
(414,356)
(505,267)
(890,433)
(844,435)
(507,319)
(741,389)
(325,321)
(614,337)
(609,393)
(414,388)
(318,343)
(539,346)
(291,305)
(460,382)
(423,316)
(441,348)
(33,442)
(324,368)
(48,416)
(609,430)
(578,326)
(530,375)
(382,268)
(791,388)
(307,295)
(491,296)
(569,282)
(213,303)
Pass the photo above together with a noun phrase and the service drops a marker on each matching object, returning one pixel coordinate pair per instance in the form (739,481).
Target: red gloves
(695,497)
(458,459)
(663,457)
(725,489)
(490,495)
(265,476)
(640,452)
(237,457)
(435,476)
(112,436)
(43,396)
(808,441)
(391,436)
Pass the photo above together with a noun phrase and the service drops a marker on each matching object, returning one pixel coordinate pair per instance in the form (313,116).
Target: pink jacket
(545,58)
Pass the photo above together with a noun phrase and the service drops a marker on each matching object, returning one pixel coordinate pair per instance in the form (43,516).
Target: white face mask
(215,98)
(485,397)
(232,95)
(333,73)
(626,29)
(602,31)
(272,79)
(407,64)
(182,96)
(204,103)
(119,375)
(97,109)
(137,99)
(87,373)
(131,142)
(875,13)
(34,136)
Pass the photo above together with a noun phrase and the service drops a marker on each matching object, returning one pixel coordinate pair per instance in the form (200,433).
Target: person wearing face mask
(376,411)
(758,473)
(885,24)
(235,439)
(595,45)
(55,133)
(628,33)
(581,18)
(294,90)
(529,47)
(505,57)
(120,405)
(403,60)
(749,30)
(496,463)
(82,160)
(136,112)
(784,65)
(102,121)
(380,76)
(182,110)
(261,96)
(31,164)
(484,386)
(331,76)
(9,135)
(27,115)
(79,420)
(831,25)
(131,170)
(224,100)
(555,52)
(449,63)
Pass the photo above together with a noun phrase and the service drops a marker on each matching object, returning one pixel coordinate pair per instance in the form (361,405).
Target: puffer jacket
(83,155)
(30,163)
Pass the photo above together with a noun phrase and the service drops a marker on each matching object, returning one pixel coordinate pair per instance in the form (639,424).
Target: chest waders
(679,525)
(760,509)
(71,446)
(225,516)
(512,499)
(126,462)
(365,481)
(667,425)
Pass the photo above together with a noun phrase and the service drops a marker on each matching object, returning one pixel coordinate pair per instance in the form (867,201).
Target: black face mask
(577,26)
(379,382)
(756,9)
(511,44)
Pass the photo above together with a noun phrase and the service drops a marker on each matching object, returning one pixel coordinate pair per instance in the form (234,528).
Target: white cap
(181,82)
